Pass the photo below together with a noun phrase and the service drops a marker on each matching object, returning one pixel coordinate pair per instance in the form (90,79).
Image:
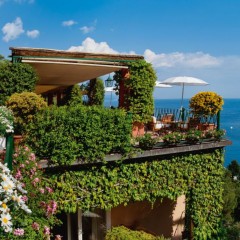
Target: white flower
(6,222)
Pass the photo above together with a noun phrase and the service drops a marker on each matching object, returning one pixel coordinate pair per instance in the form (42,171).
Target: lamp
(109,82)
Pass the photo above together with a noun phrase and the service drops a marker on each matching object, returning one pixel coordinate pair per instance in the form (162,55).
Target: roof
(58,68)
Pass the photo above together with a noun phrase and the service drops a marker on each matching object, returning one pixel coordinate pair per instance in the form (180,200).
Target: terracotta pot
(17,139)
(206,126)
(138,129)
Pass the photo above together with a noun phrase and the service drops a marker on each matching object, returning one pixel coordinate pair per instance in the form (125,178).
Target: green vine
(198,176)
(139,99)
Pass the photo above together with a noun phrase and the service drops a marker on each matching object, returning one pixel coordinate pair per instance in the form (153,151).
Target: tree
(15,78)
(73,96)
(95,91)
(234,168)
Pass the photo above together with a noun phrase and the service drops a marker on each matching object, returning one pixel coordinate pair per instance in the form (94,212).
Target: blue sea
(230,121)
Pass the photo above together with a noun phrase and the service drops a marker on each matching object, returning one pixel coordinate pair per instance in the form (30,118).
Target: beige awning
(54,74)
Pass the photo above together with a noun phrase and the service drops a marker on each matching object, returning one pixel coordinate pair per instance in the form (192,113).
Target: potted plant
(193,136)
(146,142)
(205,105)
(172,138)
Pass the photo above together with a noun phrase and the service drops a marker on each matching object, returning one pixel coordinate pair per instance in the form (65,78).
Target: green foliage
(73,96)
(173,138)
(199,176)
(234,168)
(230,198)
(24,106)
(193,136)
(206,103)
(147,142)
(95,92)
(87,134)
(139,99)
(15,78)
(123,233)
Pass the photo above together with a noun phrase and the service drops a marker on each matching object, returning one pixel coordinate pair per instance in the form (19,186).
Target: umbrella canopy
(184,81)
(109,89)
(159,84)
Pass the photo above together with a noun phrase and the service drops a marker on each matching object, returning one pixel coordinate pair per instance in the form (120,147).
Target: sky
(197,38)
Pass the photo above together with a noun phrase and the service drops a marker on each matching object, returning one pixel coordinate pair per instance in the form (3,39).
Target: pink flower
(41,190)
(18,175)
(18,232)
(24,198)
(50,190)
(46,230)
(35,226)
(32,157)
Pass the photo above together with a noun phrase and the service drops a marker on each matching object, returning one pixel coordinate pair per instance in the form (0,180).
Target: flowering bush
(193,136)
(206,103)
(215,134)
(38,224)
(172,138)
(6,121)
(10,200)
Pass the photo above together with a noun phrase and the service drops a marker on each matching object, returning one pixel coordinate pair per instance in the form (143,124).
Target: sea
(230,121)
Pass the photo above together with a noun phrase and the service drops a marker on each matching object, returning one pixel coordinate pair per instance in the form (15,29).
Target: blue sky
(199,38)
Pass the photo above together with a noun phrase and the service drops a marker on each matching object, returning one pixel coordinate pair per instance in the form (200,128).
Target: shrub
(24,107)
(95,92)
(172,138)
(123,233)
(206,103)
(147,142)
(15,78)
(65,134)
(73,96)
(193,136)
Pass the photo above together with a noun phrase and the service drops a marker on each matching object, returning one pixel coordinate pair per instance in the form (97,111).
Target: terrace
(106,165)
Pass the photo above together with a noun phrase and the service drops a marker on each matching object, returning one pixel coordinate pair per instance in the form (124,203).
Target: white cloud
(89,45)
(68,23)
(33,33)
(12,30)
(177,59)
(86,29)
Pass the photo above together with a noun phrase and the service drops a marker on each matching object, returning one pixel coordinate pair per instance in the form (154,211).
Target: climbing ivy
(140,85)
(198,176)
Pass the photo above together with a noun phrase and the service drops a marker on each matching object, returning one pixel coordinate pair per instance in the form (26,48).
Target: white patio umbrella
(184,81)
(159,84)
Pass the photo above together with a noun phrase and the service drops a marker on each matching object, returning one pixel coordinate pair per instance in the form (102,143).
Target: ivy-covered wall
(198,176)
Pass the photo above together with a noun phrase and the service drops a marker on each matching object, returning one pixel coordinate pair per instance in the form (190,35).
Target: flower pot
(17,139)
(138,129)
(206,126)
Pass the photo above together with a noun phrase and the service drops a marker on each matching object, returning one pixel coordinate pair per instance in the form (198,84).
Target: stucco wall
(164,218)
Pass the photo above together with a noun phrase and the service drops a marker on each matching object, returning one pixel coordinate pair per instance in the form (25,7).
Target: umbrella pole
(182,95)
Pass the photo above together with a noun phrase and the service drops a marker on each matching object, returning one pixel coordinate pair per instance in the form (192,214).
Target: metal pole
(218,120)
(9,151)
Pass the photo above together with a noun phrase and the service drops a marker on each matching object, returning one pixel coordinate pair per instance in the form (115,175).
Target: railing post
(9,151)
(218,120)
